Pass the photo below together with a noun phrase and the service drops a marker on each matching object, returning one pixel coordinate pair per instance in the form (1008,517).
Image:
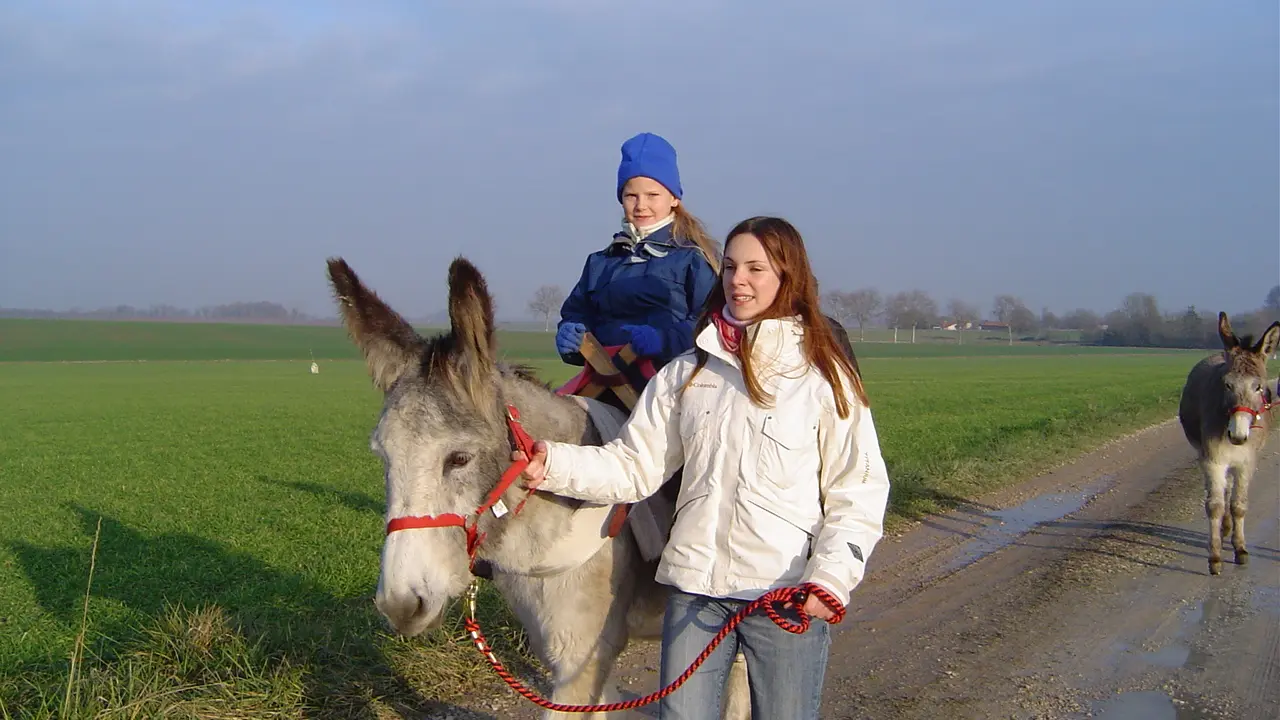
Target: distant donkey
(1225,416)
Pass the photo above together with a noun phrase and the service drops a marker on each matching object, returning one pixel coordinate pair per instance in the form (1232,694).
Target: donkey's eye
(458,459)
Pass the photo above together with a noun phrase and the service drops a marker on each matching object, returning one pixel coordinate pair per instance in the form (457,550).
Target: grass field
(96,340)
(237,507)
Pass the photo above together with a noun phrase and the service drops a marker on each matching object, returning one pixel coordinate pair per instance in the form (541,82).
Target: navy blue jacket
(657,282)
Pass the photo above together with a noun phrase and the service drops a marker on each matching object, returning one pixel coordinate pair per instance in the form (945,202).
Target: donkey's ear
(1269,341)
(389,343)
(1229,341)
(471,316)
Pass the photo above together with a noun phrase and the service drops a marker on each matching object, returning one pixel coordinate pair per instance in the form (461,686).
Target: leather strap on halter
(521,440)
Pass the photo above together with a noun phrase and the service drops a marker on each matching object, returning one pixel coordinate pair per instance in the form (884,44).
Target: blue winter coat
(657,282)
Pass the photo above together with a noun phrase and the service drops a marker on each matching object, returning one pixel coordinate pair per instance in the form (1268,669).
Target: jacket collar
(775,345)
(653,241)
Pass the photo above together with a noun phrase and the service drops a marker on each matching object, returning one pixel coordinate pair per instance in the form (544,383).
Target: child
(649,285)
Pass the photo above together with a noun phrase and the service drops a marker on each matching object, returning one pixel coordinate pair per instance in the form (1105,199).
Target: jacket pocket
(780,540)
(804,519)
(788,451)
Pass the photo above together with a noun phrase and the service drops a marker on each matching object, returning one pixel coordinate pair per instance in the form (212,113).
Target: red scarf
(730,334)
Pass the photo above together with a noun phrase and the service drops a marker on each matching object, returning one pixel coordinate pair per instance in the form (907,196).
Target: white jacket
(771,497)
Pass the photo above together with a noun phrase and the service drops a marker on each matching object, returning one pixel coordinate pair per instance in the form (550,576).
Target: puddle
(1265,598)
(1149,705)
(1174,656)
(1010,523)
(1178,653)
(1146,705)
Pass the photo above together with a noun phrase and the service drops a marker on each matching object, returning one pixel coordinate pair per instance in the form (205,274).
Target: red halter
(1254,424)
(523,442)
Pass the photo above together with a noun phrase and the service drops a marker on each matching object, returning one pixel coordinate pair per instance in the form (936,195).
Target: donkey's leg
(1215,505)
(592,626)
(580,677)
(737,693)
(577,626)
(1239,506)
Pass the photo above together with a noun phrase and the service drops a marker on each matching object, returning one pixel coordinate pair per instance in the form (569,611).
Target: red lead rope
(795,595)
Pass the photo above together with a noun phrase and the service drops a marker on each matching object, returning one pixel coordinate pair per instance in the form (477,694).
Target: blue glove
(644,340)
(569,338)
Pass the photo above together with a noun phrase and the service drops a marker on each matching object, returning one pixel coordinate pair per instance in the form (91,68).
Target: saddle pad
(588,529)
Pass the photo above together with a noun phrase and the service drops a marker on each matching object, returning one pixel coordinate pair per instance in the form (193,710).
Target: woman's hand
(816,608)
(536,471)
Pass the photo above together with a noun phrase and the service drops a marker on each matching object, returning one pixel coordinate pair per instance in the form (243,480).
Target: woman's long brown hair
(797,296)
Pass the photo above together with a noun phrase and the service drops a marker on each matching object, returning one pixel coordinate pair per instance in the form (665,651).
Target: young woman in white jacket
(784,483)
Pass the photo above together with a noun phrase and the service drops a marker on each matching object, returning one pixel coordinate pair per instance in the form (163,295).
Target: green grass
(103,341)
(240,513)
(95,340)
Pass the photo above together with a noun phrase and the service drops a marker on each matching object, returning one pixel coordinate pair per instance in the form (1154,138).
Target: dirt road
(1081,593)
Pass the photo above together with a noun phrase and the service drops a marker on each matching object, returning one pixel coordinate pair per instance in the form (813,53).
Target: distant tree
(836,304)
(1010,309)
(962,313)
(1142,319)
(1273,299)
(864,304)
(1190,328)
(1024,321)
(1080,319)
(912,309)
(1003,307)
(546,302)
(1048,320)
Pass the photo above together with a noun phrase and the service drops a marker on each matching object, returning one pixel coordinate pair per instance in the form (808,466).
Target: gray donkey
(445,439)
(1225,416)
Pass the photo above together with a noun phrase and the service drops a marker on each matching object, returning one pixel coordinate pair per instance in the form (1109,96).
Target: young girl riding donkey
(784,484)
(647,287)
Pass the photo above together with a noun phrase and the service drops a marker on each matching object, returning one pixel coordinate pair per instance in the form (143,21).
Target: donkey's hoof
(1242,557)
(1215,567)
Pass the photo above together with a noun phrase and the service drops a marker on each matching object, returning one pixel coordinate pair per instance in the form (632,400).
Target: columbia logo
(703,384)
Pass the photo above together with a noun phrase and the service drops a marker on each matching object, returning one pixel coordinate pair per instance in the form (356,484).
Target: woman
(649,284)
(784,483)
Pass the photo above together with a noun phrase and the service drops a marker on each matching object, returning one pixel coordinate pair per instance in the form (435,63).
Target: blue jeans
(785,670)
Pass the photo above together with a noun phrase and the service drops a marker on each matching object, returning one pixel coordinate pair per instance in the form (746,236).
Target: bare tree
(864,304)
(1010,310)
(546,302)
(1080,319)
(913,309)
(836,304)
(1273,299)
(962,313)
(1004,307)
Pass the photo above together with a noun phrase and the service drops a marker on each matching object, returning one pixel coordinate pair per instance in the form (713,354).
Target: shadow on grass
(291,620)
(353,500)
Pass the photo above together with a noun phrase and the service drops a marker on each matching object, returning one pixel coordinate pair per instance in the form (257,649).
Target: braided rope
(795,595)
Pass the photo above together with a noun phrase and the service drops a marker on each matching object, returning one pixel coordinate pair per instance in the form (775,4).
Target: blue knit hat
(651,156)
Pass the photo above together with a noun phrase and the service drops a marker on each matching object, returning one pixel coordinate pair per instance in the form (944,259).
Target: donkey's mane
(524,372)
(439,351)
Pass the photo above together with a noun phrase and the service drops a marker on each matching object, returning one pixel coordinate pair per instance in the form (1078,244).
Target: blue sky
(1067,152)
